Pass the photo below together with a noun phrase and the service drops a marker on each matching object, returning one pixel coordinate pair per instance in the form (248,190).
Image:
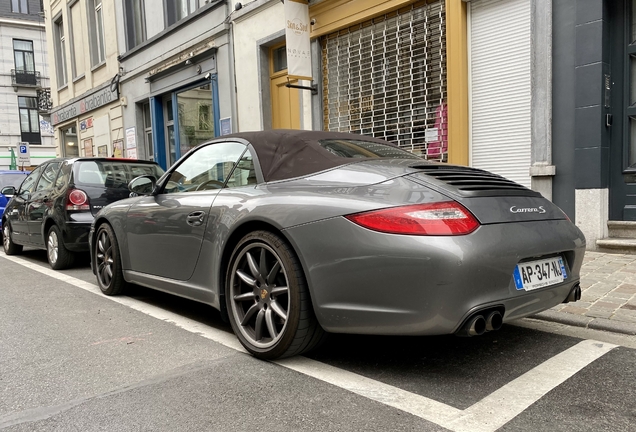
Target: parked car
(292,234)
(54,207)
(10,180)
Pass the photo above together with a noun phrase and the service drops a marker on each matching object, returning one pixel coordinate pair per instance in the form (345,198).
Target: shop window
(387,78)
(69,141)
(195,114)
(29,120)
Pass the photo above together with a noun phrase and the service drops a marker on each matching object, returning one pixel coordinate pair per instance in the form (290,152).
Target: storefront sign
(91,102)
(297,39)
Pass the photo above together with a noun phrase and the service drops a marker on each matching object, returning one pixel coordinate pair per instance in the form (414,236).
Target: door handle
(195,218)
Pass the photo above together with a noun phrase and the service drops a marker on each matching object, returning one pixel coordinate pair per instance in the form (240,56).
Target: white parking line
(487,415)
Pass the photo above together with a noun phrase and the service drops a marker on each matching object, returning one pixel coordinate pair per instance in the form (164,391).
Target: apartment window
(29,119)
(24,62)
(179,9)
(96,20)
(19,6)
(135,23)
(76,30)
(60,52)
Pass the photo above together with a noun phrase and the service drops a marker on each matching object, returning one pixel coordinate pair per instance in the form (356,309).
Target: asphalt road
(72,359)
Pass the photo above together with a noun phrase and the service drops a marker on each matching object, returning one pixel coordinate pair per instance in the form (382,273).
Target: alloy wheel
(52,247)
(104,258)
(260,295)
(6,239)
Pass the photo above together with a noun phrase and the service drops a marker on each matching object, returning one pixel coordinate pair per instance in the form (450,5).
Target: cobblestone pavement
(608,300)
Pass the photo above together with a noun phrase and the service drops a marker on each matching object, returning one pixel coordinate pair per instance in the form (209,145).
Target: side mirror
(8,191)
(142,185)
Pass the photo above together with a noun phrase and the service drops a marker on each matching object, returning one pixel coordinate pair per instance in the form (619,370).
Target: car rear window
(14,180)
(115,174)
(364,149)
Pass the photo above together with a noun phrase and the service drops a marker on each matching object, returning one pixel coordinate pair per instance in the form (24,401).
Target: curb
(603,324)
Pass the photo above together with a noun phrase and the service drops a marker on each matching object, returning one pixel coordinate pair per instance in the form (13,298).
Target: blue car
(9,178)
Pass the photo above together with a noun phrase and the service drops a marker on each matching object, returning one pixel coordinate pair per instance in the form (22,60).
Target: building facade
(177,75)
(24,83)
(87,112)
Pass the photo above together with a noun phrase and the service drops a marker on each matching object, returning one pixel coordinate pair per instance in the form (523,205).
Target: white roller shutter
(500,52)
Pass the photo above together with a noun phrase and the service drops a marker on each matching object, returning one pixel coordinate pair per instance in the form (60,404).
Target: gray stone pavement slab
(608,298)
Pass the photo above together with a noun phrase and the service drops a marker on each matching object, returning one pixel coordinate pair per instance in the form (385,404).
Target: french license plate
(538,274)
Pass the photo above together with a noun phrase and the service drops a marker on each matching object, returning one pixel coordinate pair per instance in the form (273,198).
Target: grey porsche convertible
(296,234)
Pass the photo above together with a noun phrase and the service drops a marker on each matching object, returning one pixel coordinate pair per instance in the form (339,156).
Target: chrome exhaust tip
(475,326)
(575,294)
(494,321)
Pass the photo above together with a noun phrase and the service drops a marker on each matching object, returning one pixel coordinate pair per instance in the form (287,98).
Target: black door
(41,202)
(17,211)
(621,105)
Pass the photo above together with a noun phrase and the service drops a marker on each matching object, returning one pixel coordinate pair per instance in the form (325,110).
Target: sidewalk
(608,300)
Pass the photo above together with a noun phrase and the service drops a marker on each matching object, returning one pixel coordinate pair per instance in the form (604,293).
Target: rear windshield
(11,180)
(115,174)
(365,149)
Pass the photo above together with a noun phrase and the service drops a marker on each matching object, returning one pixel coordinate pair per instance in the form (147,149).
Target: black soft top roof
(287,153)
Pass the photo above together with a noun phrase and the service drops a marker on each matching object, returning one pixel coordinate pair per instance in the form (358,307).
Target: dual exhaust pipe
(480,323)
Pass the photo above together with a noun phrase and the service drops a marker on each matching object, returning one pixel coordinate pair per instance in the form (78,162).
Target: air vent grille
(472,181)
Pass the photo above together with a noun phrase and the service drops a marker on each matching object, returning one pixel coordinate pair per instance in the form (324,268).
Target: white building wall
(10,133)
(261,23)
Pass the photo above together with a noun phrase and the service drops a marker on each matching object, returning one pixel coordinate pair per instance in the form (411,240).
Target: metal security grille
(387,78)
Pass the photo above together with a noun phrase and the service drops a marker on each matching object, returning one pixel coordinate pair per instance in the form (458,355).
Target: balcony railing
(25,78)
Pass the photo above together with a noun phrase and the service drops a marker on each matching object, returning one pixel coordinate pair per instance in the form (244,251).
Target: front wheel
(268,300)
(110,277)
(59,257)
(10,248)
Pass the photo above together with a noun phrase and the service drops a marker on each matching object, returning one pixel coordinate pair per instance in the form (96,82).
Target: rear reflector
(77,200)
(443,219)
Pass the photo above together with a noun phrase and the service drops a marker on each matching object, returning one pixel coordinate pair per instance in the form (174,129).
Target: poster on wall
(102,151)
(88,147)
(131,141)
(131,153)
(226,125)
(118,149)
(297,39)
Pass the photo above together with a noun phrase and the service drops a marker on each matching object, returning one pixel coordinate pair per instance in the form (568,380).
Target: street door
(285,100)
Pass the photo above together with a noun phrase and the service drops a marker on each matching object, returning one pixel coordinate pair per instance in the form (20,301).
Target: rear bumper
(76,231)
(372,283)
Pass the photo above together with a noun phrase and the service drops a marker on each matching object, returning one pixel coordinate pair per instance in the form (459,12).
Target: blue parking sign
(23,149)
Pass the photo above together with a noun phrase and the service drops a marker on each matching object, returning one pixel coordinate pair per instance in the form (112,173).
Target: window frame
(29,135)
(131,20)
(23,52)
(97,41)
(19,4)
(59,41)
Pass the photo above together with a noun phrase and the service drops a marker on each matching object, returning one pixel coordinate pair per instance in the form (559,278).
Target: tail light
(77,200)
(442,219)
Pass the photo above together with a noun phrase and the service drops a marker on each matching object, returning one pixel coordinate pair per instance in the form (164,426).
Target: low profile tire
(110,277)
(59,257)
(9,247)
(268,300)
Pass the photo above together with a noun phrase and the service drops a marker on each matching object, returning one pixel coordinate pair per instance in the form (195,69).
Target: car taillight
(77,200)
(443,219)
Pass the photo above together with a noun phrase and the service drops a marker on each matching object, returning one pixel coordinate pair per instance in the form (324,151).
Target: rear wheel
(10,248)
(59,257)
(110,277)
(268,300)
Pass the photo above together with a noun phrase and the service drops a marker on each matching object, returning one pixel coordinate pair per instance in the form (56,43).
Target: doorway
(285,100)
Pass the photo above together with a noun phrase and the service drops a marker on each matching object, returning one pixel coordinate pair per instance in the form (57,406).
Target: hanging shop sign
(97,99)
(297,39)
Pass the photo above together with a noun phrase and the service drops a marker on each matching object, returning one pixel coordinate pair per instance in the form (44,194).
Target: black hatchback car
(56,203)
